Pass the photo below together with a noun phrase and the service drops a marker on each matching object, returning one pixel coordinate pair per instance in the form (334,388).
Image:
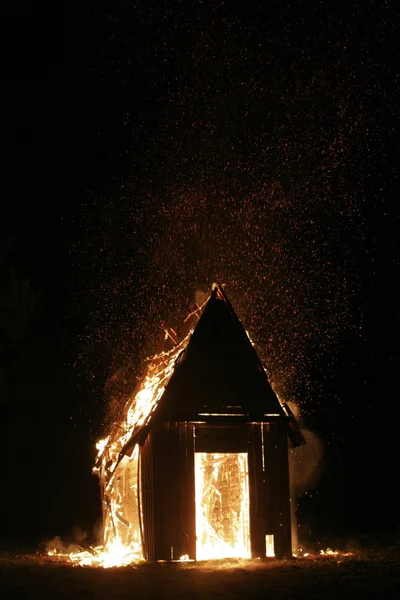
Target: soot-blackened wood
(162,473)
(216,438)
(256,492)
(170,489)
(269,480)
(146,497)
(277,488)
(186,542)
(173,499)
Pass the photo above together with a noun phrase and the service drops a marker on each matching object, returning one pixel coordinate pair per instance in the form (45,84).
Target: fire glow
(221,484)
(216,488)
(222,506)
(118,468)
(222,490)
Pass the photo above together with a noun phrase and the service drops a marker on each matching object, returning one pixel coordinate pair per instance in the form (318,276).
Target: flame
(117,466)
(115,555)
(222,506)
(321,554)
(101,445)
(222,489)
(138,411)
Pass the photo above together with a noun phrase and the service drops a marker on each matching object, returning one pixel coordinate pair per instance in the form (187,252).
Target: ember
(197,468)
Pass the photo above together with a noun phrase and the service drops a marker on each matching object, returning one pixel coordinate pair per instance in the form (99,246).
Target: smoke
(76,541)
(201,295)
(306,465)
(56,545)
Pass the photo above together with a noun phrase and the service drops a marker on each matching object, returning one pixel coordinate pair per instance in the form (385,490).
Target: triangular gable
(219,373)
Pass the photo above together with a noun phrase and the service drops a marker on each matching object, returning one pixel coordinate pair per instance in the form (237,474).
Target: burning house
(198,466)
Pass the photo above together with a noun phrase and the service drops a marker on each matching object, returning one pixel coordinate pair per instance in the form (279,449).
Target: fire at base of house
(198,466)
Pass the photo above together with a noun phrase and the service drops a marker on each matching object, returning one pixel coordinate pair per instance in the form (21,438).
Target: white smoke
(306,465)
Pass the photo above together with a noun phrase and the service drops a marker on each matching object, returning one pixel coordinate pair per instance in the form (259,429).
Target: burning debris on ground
(362,575)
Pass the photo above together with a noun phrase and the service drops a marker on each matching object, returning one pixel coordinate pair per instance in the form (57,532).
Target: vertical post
(256,492)
(147,498)
(278,489)
(187,503)
(160,463)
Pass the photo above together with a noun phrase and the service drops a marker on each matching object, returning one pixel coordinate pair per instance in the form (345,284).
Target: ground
(360,576)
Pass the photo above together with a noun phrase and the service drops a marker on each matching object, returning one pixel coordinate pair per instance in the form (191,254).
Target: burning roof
(214,372)
(212,381)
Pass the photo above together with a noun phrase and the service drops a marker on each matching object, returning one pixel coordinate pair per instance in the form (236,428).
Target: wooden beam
(257,493)
(277,488)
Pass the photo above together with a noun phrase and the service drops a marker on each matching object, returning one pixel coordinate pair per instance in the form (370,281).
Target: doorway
(222,505)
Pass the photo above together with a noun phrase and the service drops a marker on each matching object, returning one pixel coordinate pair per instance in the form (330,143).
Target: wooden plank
(269,479)
(228,419)
(186,543)
(223,439)
(256,492)
(146,498)
(173,473)
(158,492)
(278,490)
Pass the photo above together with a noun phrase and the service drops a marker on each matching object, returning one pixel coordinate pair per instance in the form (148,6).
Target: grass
(364,575)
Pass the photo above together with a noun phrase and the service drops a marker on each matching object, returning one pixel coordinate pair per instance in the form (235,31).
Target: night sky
(152,148)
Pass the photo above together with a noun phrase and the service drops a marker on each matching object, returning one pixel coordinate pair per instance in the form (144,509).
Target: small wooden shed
(212,476)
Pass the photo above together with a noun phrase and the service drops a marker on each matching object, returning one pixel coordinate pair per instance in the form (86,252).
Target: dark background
(84,90)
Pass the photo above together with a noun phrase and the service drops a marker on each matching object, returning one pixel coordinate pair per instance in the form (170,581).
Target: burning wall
(163,496)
